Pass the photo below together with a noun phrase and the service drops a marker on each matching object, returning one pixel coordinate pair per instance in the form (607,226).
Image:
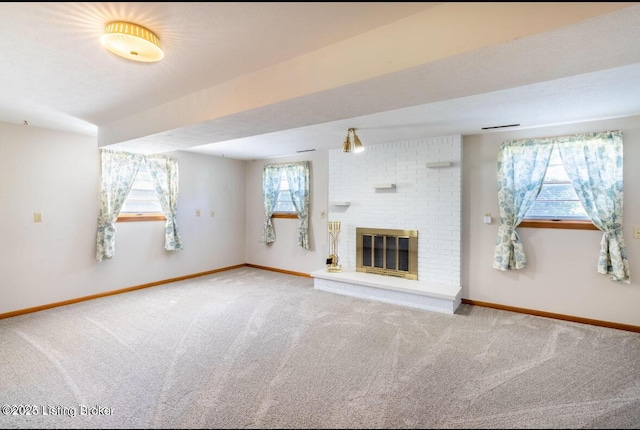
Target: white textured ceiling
(56,75)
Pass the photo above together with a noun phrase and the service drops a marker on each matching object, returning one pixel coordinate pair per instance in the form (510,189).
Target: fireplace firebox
(391,252)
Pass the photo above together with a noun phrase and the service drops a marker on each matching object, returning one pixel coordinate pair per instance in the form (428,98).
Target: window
(119,171)
(142,202)
(593,162)
(557,200)
(285,188)
(284,203)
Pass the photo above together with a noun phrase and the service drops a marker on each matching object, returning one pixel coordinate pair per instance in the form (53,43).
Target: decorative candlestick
(333,260)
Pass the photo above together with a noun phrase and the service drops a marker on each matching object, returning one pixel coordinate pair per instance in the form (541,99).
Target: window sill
(140,217)
(284,215)
(547,223)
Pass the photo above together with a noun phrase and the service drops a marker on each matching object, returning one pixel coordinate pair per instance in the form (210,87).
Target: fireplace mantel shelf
(417,294)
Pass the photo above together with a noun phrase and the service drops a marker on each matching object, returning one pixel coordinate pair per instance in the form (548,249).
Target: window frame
(145,216)
(558,223)
(140,216)
(290,215)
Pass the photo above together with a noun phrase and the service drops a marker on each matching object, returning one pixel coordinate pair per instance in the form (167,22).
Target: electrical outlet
(636,232)
(213,213)
(37,217)
(197,212)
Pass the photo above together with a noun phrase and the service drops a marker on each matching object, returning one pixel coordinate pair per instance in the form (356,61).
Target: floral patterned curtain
(298,177)
(164,171)
(271,176)
(593,162)
(118,171)
(521,168)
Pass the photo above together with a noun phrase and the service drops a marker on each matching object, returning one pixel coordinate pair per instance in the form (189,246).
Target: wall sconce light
(347,146)
(132,42)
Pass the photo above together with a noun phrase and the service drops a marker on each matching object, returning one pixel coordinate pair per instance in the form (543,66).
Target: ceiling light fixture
(347,145)
(132,42)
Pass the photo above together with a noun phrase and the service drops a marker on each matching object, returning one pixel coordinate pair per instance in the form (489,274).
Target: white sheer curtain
(164,171)
(118,171)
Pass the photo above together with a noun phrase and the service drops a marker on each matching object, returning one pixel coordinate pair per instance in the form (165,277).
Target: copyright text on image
(56,410)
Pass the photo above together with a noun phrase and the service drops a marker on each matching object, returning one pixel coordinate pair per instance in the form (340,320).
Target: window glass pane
(142,198)
(555,158)
(557,192)
(284,182)
(557,198)
(284,206)
(284,203)
(141,201)
(557,201)
(557,210)
(556,174)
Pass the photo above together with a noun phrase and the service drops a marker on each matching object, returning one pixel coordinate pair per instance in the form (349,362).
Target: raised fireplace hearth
(429,296)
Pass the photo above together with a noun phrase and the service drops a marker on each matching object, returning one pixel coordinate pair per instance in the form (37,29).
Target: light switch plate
(636,232)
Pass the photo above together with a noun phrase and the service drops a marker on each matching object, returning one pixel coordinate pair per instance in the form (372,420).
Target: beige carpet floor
(248,348)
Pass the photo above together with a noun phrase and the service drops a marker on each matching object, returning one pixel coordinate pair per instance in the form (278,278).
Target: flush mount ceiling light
(347,145)
(132,42)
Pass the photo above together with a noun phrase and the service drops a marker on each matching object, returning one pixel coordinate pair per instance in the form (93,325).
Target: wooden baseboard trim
(273,269)
(113,292)
(626,327)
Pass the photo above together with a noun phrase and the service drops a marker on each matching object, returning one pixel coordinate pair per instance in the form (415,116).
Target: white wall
(427,200)
(57,174)
(561,276)
(209,184)
(284,253)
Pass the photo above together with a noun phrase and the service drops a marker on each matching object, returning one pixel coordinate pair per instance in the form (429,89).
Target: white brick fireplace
(389,186)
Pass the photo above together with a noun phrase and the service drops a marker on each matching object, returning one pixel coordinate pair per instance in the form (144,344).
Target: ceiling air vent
(500,126)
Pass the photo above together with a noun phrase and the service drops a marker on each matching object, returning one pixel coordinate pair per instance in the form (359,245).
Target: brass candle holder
(333,260)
